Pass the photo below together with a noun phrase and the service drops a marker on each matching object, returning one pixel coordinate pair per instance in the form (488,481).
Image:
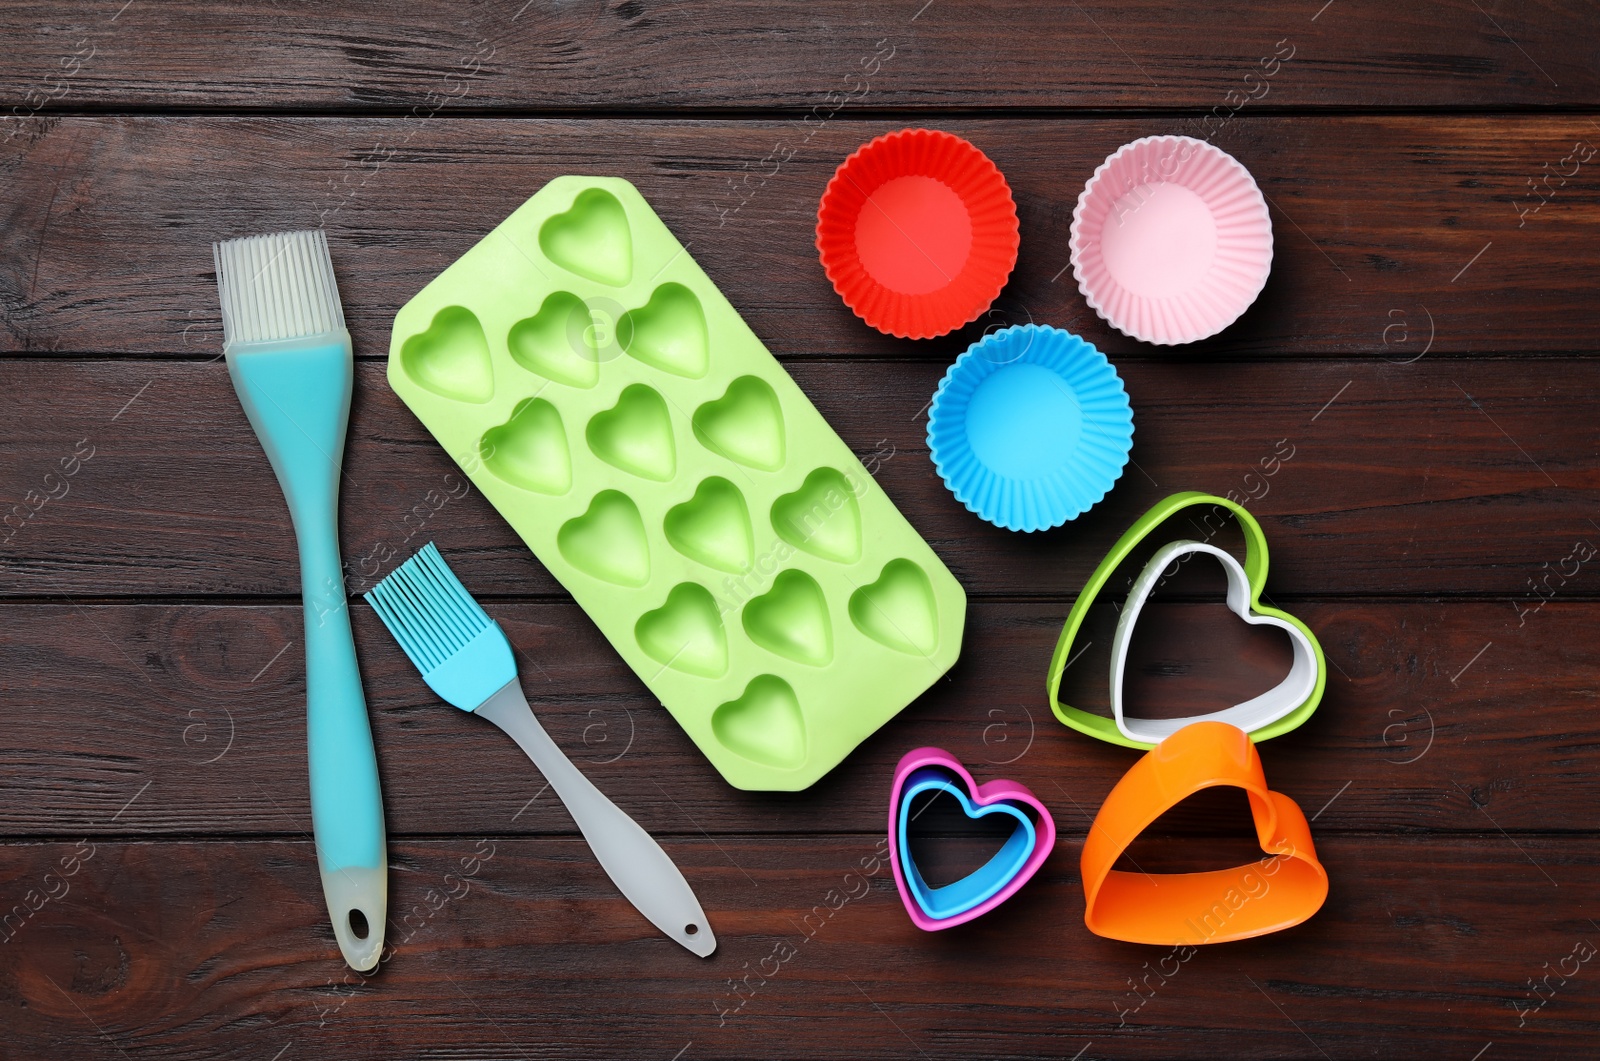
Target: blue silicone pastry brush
(465,657)
(292,367)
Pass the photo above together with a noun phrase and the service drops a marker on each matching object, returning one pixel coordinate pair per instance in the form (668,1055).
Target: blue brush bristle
(427,609)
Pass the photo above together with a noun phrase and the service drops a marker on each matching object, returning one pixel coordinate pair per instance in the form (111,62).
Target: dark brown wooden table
(1424,352)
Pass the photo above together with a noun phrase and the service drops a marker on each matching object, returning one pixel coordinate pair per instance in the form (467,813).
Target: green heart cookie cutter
(1255,566)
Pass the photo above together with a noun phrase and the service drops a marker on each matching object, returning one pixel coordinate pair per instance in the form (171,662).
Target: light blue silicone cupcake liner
(1030,427)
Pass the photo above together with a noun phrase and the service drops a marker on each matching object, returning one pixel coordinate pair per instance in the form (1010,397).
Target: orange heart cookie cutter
(1186,909)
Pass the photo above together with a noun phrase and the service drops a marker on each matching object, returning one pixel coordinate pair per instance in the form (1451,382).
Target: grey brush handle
(644,873)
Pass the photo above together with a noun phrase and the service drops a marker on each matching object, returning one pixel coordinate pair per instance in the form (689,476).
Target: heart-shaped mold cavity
(686,633)
(451,358)
(591,239)
(898,610)
(764,725)
(821,518)
(668,332)
(745,425)
(713,527)
(558,342)
(635,435)
(530,449)
(608,541)
(791,619)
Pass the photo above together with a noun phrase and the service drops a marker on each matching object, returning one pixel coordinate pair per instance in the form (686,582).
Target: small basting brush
(465,657)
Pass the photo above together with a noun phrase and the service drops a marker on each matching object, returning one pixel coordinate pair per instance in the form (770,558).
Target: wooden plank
(1407,408)
(1443,249)
(514,55)
(190,949)
(196,713)
(1441,477)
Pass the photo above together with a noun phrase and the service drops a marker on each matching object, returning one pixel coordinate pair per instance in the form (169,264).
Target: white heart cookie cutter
(1249,716)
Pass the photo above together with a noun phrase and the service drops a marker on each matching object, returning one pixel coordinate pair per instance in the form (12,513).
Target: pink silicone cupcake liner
(1171,240)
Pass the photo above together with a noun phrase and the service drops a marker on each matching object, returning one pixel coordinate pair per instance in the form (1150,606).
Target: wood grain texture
(1442,250)
(183,950)
(205,704)
(1409,409)
(676,56)
(1444,477)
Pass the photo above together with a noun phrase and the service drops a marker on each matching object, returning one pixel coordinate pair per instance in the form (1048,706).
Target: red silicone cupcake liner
(918,233)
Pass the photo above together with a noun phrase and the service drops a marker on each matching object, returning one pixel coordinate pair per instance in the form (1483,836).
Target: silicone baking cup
(608,401)
(1030,427)
(1171,240)
(918,233)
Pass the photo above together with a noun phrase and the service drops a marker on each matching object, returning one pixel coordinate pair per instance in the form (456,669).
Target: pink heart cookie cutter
(997,793)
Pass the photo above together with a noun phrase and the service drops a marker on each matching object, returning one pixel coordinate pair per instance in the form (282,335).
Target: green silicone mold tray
(607,399)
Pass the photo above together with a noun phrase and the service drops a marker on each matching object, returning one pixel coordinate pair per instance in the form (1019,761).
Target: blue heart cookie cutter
(982,883)
(934,771)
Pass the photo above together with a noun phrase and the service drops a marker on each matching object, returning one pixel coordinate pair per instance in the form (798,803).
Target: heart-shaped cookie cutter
(934,770)
(1272,714)
(1187,909)
(1254,714)
(950,900)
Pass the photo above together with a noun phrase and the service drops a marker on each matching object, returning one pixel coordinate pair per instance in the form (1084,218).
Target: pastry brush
(465,657)
(290,359)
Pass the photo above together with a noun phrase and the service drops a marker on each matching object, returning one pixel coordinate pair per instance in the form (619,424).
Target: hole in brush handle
(357,898)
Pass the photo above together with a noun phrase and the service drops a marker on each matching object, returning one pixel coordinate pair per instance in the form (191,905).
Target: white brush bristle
(277,287)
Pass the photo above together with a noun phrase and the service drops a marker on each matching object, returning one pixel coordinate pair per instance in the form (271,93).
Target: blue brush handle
(346,808)
(297,396)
